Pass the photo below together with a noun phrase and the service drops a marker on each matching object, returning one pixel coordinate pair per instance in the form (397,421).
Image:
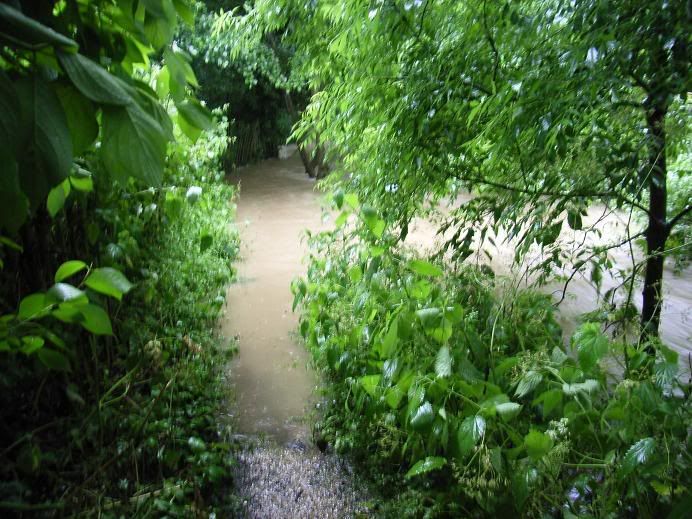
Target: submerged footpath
(280,473)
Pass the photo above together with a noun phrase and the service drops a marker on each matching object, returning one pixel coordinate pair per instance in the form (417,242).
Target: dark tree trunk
(657,230)
(304,157)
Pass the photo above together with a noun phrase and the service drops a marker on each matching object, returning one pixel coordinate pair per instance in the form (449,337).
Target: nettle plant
(435,377)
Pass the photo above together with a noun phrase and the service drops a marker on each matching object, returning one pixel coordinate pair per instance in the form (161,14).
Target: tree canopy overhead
(540,108)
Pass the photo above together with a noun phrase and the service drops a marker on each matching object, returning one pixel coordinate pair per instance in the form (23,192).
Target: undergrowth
(127,426)
(460,401)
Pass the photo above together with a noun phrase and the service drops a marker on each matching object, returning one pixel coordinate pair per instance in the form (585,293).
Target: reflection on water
(272,384)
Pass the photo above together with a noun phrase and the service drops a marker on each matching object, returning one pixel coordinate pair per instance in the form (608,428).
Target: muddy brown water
(274,389)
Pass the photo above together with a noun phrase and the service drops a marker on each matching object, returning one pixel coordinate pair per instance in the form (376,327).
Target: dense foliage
(255,102)
(458,397)
(541,109)
(115,256)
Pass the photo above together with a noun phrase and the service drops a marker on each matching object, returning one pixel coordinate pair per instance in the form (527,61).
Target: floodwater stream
(273,386)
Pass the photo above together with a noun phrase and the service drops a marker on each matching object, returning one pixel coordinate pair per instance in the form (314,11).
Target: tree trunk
(657,230)
(304,157)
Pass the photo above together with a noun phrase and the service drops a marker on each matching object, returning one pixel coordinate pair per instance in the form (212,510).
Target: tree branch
(676,219)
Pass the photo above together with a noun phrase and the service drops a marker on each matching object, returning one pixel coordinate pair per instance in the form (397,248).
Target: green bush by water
(463,402)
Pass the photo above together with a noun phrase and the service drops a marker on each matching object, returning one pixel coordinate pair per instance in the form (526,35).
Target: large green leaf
(69,268)
(108,281)
(57,197)
(195,114)
(528,383)
(426,465)
(537,444)
(29,33)
(10,116)
(591,344)
(443,362)
(81,118)
(33,306)
(508,410)
(422,417)
(470,432)
(92,80)
(96,320)
(53,359)
(46,156)
(62,292)
(638,454)
(14,205)
(424,268)
(134,145)
(370,383)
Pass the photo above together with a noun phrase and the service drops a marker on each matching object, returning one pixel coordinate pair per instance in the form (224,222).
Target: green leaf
(638,454)
(81,117)
(591,345)
(470,432)
(369,383)
(192,194)
(53,359)
(195,114)
(205,241)
(92,80)
(10,115)
(134,145)
(426,465)
(62,292)
(31,344)
(537,444)
(550,399)
(96,320)
(508,410)
(373,222)
(429,317)
(425,268)
(69,268)
(46,157)
(33,306)
(14,205)
(574,219)
(83,184)
(196,444)
(30,33)
(443,362)
(588,386)
(108,281)
(528,383)
(423,417)
(57,196)
(185,12)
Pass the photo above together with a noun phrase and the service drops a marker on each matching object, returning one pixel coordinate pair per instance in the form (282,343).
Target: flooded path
(279,473)
(272,384)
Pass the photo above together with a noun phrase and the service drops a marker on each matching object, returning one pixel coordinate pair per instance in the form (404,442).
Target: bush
(130,426)
(464,402)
